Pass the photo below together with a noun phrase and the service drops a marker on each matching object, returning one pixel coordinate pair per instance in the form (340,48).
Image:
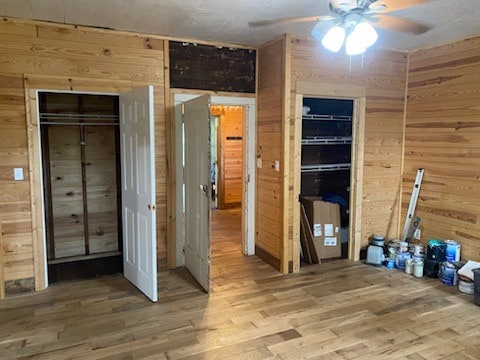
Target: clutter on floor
(440,260)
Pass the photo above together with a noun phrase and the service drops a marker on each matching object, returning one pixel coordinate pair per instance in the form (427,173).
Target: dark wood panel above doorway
(207,67)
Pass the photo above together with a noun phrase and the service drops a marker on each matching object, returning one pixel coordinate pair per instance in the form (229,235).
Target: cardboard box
(324,219)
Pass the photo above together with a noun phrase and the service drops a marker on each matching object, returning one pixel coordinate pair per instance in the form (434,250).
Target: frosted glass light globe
(333,39)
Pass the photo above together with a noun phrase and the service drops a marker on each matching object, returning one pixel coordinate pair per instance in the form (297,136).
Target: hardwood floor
(336,310)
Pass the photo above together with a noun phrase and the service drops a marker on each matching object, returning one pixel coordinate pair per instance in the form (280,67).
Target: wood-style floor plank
(334,310)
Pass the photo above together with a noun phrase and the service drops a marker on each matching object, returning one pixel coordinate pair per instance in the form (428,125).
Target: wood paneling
(269,186)
(207,67)
(442,135)
(2,281)
(382,74)
(67,58)
(66,191)
(230,152)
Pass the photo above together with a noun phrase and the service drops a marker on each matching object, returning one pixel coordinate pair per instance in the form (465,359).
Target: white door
(138,189)
(197,188)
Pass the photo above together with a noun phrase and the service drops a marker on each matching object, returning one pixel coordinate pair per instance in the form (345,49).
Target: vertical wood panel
(442,135)
(2,281)
(269,186)
(286,159)
(66,191)
(101,177)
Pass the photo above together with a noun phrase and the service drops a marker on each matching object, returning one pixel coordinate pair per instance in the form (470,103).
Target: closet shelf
(325,167)
(78,119)
(327,140)
(326,117)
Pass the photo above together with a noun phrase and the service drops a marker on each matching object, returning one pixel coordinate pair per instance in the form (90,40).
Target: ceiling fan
(354,22)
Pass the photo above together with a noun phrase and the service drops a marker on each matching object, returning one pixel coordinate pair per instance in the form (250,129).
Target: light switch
(259,162)
(277,165)
(18,174)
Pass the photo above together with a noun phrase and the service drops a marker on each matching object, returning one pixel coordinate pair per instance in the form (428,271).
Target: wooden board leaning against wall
(442,135)
(44,56)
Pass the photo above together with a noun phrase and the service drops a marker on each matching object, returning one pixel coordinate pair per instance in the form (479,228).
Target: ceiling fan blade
(289,20)
(389,22)
(395,5)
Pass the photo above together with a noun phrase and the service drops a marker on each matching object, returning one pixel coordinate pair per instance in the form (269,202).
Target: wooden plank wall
(65,57)
(442,135)
(101,176)
(67,191)
(230,152)
(269,187)
(383,73)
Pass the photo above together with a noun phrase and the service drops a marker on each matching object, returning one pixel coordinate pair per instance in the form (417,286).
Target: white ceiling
(226,21)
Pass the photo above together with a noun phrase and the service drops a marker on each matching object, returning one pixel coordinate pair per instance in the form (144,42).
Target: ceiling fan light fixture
(365,33)
(353,46)
(333,39)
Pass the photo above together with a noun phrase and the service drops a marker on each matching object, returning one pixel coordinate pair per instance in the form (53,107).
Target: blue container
(390,263)
(452,251)
(400,260)
(448,274)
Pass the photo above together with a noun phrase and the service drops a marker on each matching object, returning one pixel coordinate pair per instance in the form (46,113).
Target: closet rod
(77,123)
(54,117)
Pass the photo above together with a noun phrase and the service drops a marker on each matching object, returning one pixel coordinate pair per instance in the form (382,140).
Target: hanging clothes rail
(78,119)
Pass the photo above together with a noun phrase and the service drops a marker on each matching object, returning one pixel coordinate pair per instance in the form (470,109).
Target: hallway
(336,310)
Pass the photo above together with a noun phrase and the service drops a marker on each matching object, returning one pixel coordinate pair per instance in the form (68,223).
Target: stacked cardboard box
(324,221)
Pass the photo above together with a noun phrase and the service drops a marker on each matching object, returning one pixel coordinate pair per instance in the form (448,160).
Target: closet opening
(326,158)
(81,184)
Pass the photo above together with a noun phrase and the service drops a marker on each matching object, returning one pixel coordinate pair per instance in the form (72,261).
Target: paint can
(448,274)
(389,263)
(409,266)
(393,248)
(400,260)
(403,246)
(466,287)
(417,258)
(452,252)
(418,268)
(418,250)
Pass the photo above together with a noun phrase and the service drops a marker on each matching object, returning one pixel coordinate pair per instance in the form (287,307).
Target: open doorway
(230,164)
(81,178)
(227,147)
(326,157)
(79,242)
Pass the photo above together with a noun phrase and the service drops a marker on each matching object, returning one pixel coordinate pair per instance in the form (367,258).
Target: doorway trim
(334,91)
(248,208)
(32,85)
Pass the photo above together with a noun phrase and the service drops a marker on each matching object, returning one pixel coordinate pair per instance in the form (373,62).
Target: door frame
(248,188)
(334,91)
(36,179)
(40,262)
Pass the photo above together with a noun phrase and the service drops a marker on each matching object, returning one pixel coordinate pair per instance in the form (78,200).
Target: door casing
(36,180)
(248,197)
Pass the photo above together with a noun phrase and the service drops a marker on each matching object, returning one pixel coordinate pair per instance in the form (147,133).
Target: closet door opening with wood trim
(81,178)
(325,178)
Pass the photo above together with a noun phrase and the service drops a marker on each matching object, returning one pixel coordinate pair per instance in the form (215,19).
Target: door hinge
(151,207)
